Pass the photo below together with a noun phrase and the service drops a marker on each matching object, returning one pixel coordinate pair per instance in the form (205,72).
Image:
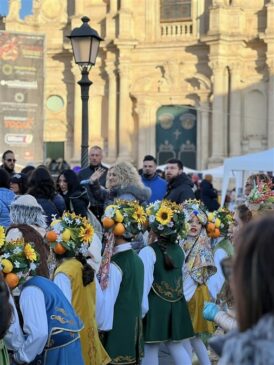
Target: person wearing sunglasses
(8,162)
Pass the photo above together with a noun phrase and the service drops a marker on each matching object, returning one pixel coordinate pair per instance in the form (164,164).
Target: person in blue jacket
(6,197)
(152,180)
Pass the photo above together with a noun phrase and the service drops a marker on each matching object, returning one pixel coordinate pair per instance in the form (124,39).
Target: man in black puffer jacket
(179,186)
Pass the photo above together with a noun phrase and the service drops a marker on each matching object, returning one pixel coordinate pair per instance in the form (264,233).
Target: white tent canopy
(260,161)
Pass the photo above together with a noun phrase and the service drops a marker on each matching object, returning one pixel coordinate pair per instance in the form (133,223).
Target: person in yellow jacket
(79,259)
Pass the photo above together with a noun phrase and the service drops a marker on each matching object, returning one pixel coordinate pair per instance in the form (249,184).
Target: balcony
(177,30)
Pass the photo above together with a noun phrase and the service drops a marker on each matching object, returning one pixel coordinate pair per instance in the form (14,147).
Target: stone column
(235,112)
(95,112)
(125,119)
(112,113)
(218,132)
(204,122)
(146,130)
(270,124)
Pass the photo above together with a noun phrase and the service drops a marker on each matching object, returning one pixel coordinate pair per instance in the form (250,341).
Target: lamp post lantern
(85,45)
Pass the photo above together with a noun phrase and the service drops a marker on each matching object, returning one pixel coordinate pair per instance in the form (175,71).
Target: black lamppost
(85,45)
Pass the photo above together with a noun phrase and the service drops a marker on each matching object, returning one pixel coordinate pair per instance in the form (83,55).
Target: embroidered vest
(124,342)
(168,284)
(63,323)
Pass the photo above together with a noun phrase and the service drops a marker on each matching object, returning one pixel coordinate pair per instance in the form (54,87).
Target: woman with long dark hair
(41,186)
(68,186)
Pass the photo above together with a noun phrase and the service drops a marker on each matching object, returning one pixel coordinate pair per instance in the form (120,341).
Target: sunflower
(30,252)
(2,236)
(139,215)
(86,233)
(164,215)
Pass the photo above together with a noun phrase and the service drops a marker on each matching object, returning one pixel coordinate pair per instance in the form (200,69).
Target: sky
(26,8)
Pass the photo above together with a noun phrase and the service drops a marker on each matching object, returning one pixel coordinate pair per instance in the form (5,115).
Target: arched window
(174,10)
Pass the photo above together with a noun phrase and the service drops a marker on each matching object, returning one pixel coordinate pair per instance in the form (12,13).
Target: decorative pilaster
(112,113)
(125,119)
(270,117)
(235,112)
(218,130)
(204,133)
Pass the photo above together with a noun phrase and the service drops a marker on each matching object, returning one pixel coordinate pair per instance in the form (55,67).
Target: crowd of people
(110,265)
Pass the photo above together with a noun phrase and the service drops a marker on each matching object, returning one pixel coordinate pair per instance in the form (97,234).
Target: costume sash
(103,274)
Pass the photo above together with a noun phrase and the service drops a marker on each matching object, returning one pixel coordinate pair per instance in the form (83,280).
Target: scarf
(252,347)
(199,257)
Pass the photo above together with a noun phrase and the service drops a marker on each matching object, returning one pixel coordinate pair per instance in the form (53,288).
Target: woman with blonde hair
(123,182)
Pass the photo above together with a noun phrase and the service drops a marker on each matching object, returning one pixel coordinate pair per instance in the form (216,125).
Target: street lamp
(85,45)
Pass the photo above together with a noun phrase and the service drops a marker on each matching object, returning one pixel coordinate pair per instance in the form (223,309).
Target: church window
(175,10)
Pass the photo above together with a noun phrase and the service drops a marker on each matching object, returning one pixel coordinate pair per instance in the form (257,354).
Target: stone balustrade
(177,29)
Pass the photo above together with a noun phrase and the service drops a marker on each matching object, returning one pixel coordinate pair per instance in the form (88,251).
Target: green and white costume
(122,298)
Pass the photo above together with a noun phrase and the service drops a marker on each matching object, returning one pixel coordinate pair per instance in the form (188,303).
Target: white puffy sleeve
(33,308)
(63,282)
(14,336)
(148,256)
(216,281)
(108,297)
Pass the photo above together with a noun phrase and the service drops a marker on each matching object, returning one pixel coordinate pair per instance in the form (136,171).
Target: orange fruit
(119,229)
(59,249)
(12,280)
(210,227)
(51,236)
(217,232)
(107,222)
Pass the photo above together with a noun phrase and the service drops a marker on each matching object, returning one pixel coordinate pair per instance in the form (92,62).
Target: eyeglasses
(10,159)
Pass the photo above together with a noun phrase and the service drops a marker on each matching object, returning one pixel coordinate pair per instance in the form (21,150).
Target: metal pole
(85,84)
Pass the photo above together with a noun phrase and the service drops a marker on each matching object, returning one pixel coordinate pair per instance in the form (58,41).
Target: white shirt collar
(121,248)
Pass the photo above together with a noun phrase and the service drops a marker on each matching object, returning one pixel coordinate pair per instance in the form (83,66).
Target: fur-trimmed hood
(133,192)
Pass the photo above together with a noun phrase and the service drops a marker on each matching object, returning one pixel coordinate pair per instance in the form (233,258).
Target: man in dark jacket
(179,186)
(8,162)
(95,159)
(209,194)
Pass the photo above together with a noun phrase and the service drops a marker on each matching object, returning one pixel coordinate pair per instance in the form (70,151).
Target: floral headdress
(125,218)
(195,207)
(18,260)
(70,235)
(219,222)
(261,197)
(167,219)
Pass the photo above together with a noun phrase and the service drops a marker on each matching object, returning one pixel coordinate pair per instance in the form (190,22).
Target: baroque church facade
(189,79)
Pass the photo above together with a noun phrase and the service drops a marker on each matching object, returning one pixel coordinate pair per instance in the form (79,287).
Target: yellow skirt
(195,307)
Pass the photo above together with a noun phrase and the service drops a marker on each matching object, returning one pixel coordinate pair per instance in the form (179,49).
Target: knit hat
(18,178)
(26,210)
(197,208)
